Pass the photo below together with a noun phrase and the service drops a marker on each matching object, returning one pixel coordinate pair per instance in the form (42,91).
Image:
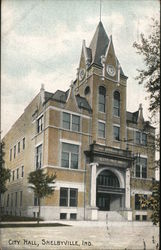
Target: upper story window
(23,143)
(71,122)
(102,99)
(18,149)
(11,154)
(70,156)
(40,124)
(141,168)
(13,175)
(17,171)
(116,133)
(68,197)
(101,129)
(87,90)
(116,107)
(144,139)
(14,152)
(22,171)
(39,156)
(140,138)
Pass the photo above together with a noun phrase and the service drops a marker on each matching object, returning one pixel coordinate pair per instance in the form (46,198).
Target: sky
(41,42)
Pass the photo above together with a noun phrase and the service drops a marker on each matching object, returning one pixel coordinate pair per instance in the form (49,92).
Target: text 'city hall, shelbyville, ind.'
(100,152)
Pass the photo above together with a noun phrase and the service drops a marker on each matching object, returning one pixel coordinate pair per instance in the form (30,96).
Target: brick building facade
(101,153)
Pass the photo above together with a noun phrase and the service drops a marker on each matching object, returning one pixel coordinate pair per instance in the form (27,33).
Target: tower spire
(100,9)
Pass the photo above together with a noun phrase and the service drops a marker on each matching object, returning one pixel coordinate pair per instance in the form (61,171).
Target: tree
(4,173)
(152,202)
(42,184)
(150,76)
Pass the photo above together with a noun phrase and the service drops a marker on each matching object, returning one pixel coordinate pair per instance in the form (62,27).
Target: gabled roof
(61,96)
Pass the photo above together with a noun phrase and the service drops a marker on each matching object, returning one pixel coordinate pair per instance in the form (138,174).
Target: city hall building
(102,154)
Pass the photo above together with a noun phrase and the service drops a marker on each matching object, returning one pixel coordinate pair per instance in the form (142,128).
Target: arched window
(102,98)
(87,90)
(108,178)
(116,107)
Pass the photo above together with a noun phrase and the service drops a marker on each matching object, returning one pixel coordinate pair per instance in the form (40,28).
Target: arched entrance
(110,196)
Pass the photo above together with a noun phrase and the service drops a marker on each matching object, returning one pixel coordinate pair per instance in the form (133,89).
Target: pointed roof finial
(100,9)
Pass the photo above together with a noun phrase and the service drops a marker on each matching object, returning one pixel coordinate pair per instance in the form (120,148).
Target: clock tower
(101,80)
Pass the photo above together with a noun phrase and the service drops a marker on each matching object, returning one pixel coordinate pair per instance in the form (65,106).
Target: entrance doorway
(103,202)
(109,194)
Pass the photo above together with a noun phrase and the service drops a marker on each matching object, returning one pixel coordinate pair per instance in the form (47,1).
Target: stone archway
(110,190)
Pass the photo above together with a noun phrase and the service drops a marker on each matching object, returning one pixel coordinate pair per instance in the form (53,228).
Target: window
(116,131)
(68,197)
(140,138)
(138,203)
(137,137)
(75,123)
(144,139)
(14,153)
(40,124)
(102,99)
(36,201)
(23,143)
(16,197)
(70,155)
(64,197)
(66,120)
(17,173)
(71,122)
(101,129)
(73,197)
(63,216)
(141,168)
(108,179)
(13,175)
(73,216)
(137,217)
(116,107)
(22,171)
(87,90)
(11,154)
(20,198)
(144,217)
(39,156)
(18,147)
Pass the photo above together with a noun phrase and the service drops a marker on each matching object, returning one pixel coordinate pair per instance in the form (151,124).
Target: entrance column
(94,209)
(127,195)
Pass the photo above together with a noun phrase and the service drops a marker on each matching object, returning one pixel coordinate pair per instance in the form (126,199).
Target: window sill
(62,168)
(145,179)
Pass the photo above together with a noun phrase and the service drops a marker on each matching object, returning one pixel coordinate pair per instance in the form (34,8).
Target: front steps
(110,216)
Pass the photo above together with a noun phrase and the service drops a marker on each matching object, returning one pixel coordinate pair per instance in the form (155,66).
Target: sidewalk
(86,235)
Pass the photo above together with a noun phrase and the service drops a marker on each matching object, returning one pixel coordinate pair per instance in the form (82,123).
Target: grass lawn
(7,218)
(10,218)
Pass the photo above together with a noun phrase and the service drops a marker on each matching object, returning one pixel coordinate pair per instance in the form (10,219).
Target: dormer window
(102,99)
(116,106)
